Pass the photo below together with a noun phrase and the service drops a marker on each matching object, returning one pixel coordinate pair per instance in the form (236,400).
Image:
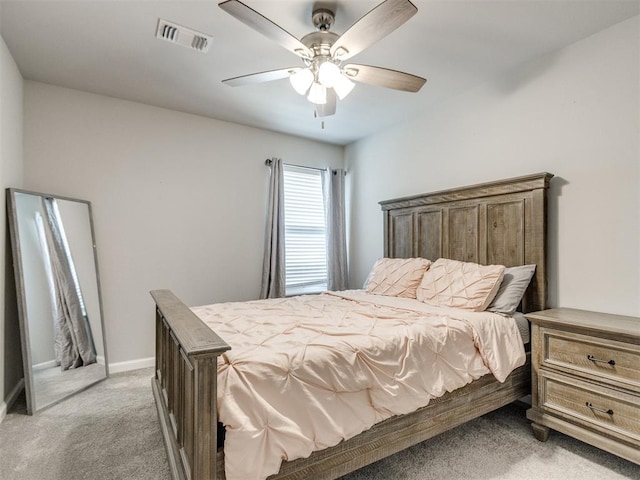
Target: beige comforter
(305,373)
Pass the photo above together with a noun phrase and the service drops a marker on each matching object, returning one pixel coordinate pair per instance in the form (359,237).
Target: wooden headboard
(502,222)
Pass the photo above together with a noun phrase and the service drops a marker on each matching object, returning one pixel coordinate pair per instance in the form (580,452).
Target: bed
(496,223)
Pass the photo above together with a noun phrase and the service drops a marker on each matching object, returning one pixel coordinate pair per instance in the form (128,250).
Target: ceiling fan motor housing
(320,42)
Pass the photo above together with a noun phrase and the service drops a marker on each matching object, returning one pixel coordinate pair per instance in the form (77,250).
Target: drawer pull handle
(594,359)
(596,409)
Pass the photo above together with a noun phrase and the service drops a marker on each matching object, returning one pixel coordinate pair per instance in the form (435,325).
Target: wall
(573,113)
(11,152)
(178,200)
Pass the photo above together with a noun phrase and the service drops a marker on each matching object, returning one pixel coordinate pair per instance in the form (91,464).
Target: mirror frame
(12,215)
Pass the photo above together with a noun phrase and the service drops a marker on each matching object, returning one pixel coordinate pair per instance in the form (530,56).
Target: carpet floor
(111,432)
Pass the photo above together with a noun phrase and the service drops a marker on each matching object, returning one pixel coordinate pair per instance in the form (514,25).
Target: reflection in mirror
(59,300)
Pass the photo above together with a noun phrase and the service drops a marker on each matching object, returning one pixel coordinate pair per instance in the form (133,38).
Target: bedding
(305,373)
(523,326)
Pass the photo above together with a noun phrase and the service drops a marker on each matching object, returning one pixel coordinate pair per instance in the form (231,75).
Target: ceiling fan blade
(253,78)
(328,108)
(262,24)
(384,77)
(376,24)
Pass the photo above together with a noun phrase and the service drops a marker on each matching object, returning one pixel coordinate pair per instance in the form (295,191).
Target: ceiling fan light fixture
(317,94)
(301,80)
(343,86)
(328,74)
(324,79)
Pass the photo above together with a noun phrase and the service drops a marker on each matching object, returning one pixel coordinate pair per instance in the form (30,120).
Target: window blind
(305,231)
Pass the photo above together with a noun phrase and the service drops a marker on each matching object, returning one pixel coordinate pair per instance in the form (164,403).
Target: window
(305,231)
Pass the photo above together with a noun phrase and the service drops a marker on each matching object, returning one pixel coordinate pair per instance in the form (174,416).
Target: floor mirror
(59,302)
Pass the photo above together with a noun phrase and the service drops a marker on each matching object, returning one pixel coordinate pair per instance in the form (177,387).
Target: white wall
(11,136)
(573,113)
(178,200)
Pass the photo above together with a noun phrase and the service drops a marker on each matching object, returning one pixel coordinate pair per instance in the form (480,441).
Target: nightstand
(586,378)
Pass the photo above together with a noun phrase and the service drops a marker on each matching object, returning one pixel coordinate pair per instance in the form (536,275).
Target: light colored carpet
(108,432)
(111,432)
(500,446)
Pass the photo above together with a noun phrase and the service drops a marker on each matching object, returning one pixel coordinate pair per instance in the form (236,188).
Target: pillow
(514,284)
(466,285)
(397,277)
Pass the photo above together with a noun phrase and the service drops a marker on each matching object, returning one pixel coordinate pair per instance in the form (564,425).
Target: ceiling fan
(325,77)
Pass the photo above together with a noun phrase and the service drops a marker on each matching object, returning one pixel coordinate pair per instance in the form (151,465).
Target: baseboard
(132,365)
(53,363)
(13,395)
(45,365)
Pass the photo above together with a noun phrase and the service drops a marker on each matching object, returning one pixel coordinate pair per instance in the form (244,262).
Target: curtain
(273,265)
(336,230)
(73,337)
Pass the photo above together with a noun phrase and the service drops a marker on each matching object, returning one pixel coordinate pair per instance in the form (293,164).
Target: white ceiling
(109,48)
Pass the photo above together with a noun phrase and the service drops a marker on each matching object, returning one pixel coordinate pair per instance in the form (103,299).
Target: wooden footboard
(184,387)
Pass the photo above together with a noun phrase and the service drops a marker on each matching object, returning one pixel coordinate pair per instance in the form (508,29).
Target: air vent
(186,37)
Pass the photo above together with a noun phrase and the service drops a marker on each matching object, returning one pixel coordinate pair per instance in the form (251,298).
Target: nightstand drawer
(615,362)
(601,408)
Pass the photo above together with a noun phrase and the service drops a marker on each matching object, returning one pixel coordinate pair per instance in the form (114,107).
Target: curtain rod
(269,161)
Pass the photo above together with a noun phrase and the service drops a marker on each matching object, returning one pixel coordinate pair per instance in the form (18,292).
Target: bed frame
(501,222)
